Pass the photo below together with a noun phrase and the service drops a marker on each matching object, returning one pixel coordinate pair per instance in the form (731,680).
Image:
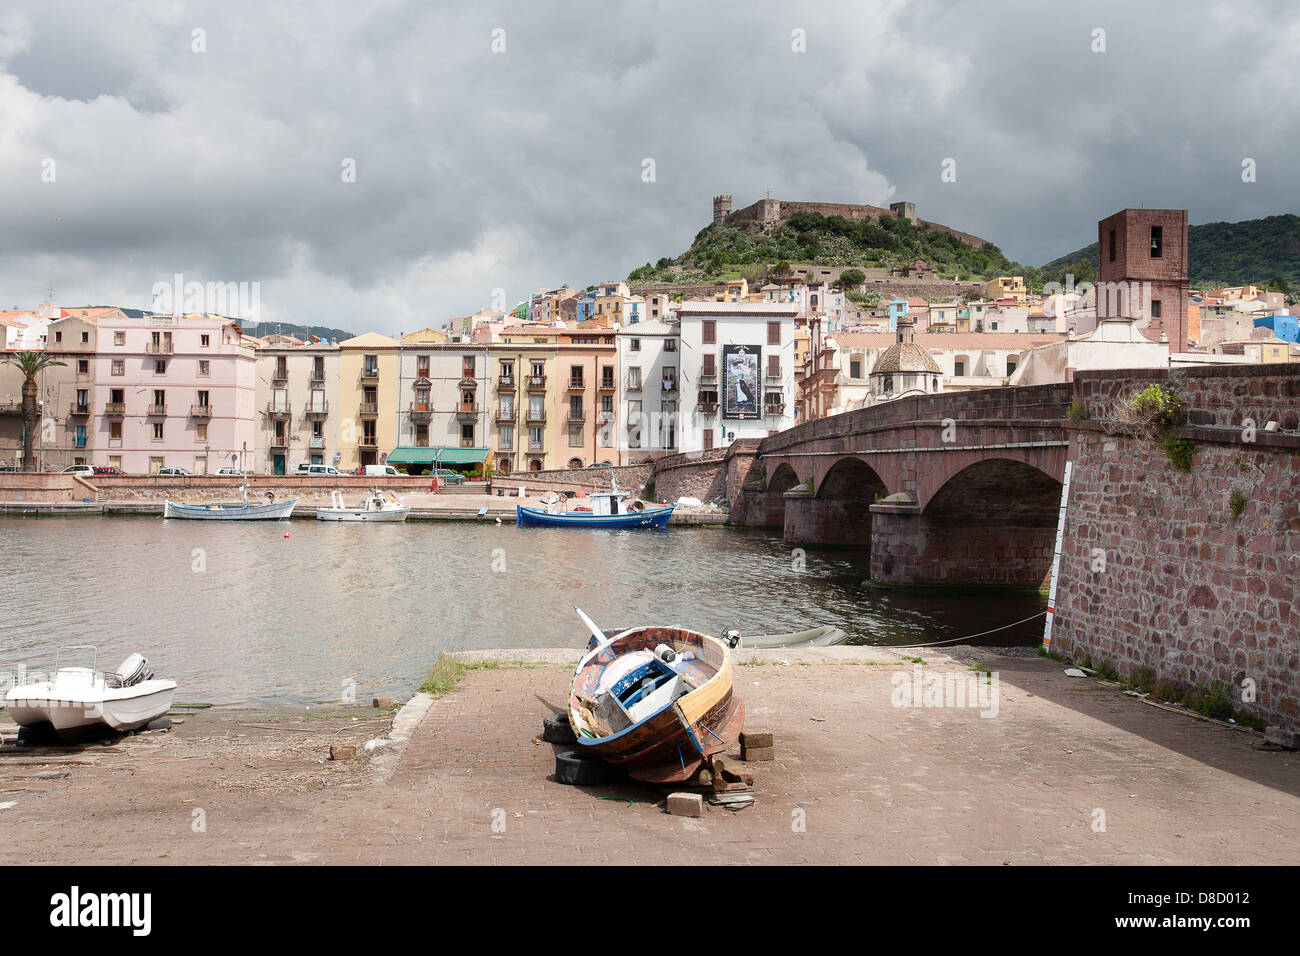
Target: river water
(239,613)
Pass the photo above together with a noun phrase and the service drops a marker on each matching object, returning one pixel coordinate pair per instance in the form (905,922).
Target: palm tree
(30,364)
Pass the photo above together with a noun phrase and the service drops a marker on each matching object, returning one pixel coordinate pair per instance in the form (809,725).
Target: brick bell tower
(1142,270)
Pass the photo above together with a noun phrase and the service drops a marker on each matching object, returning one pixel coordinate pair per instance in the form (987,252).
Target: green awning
(413,455)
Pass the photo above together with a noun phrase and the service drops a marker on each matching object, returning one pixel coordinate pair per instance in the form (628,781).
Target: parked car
(108,470)
(173,472)
(84,470)
(447,476)
(304,468)
(230,472)
(383,471)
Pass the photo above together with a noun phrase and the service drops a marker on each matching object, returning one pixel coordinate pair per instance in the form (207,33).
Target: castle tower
(721,209)
(904,210)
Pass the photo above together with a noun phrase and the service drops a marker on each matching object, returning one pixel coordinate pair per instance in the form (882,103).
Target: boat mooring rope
(958,640)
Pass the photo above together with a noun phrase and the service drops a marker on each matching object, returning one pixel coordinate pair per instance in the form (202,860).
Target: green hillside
(1220,254)
(728,251)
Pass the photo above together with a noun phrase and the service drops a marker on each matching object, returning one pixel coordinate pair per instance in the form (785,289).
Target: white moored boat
(79,699)
(380,506)
(271,511)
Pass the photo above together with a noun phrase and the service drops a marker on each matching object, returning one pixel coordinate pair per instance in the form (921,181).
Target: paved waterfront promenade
(855,780)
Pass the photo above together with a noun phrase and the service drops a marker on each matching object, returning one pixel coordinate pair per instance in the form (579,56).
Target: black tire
(578,769)
(556,729)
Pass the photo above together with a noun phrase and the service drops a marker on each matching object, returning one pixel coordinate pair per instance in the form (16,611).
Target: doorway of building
(277,465)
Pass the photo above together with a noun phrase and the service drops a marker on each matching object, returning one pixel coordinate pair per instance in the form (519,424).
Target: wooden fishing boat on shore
(657,701)
(824,636)
(610,509)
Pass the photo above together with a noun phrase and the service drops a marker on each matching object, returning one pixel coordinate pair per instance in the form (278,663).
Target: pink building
(173,391)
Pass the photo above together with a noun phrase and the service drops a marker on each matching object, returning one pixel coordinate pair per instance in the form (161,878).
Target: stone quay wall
(1158,570)
(714,476)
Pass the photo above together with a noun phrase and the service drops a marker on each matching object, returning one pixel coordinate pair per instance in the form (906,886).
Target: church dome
(906,357)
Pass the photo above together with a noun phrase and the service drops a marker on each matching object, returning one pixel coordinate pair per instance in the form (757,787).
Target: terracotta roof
(906,357)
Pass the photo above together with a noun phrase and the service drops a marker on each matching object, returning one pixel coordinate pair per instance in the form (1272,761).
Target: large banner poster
(742,387)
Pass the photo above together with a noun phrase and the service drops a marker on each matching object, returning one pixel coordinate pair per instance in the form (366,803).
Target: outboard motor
(731,637)
(133,670)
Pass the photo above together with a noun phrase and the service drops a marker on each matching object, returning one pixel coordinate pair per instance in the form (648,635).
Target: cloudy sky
(505,146)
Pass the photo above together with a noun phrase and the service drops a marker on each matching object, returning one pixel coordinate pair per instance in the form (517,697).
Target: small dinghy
(657,701)
(823,636)
(380,506)
(79,699)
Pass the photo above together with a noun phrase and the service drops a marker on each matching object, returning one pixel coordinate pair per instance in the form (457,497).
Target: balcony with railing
(280,374)
(467,443)
(158,348)
(608,385)
(577,385)
(157,411)
(466,412)
(78,409)
(369,441)
(505,415)
(669,385)
(317,377)
(536,416)
(774,409)
(370,373)
(280,441)
(115,409)
(369,409)
(506,381)
(201,411)
(421,412)
(317,410)
(708,408)
(536,383)
(278,410)
(576,416)
(536,447)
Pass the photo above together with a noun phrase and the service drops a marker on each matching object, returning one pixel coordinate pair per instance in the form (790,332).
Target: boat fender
(731,637)
(665,653)
(637,505)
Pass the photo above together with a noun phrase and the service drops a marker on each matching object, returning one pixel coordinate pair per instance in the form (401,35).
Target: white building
(737,371)
(649,390)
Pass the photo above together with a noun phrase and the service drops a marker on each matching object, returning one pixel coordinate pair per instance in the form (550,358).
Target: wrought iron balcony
(466,411)
(317,410)
(577,416)
(369,409)
(506,381)
(370,374)
(280,441)
(608,385)
(201,411)
(78,408)
(158,411)
(369,441)
(278,411)
(158,348)
(421,412)
(708,408)
(280,374)
(577,385)
(536,416)
(536,383)
(115,409)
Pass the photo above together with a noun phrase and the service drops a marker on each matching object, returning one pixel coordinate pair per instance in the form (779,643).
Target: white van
(306,469)
(382,471)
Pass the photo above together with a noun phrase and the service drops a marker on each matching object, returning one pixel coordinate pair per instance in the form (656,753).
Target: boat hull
(273,511)
(824,636)
(650,518)
(360,514)
(73,713)
(670,745)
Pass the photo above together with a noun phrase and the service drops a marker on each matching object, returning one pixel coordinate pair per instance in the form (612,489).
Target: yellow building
(369,371)
(1004,286)
(424,337)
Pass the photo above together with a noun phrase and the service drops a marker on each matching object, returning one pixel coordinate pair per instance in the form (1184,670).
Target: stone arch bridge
(954,488)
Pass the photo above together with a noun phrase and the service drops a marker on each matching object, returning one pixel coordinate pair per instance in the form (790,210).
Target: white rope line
(956,640)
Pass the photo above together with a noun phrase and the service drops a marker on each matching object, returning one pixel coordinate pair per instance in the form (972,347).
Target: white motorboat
(380,506)
(79,699)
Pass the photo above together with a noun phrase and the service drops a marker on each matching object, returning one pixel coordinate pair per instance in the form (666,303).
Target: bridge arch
(993,522)
(782,479)
(838,510)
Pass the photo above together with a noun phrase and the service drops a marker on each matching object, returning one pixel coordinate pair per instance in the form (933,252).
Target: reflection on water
(237,611)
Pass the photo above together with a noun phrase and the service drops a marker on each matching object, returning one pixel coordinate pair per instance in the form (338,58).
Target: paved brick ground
(870,783)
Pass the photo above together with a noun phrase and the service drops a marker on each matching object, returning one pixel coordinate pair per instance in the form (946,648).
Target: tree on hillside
(851,279)
(1279,284)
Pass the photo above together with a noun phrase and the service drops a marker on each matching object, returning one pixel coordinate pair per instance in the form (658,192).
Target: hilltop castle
(769,213)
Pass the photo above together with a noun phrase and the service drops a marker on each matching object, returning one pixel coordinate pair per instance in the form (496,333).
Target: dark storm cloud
(479,170)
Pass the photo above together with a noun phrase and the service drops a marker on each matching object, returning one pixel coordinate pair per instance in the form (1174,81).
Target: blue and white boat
(608,510)
(272,510)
